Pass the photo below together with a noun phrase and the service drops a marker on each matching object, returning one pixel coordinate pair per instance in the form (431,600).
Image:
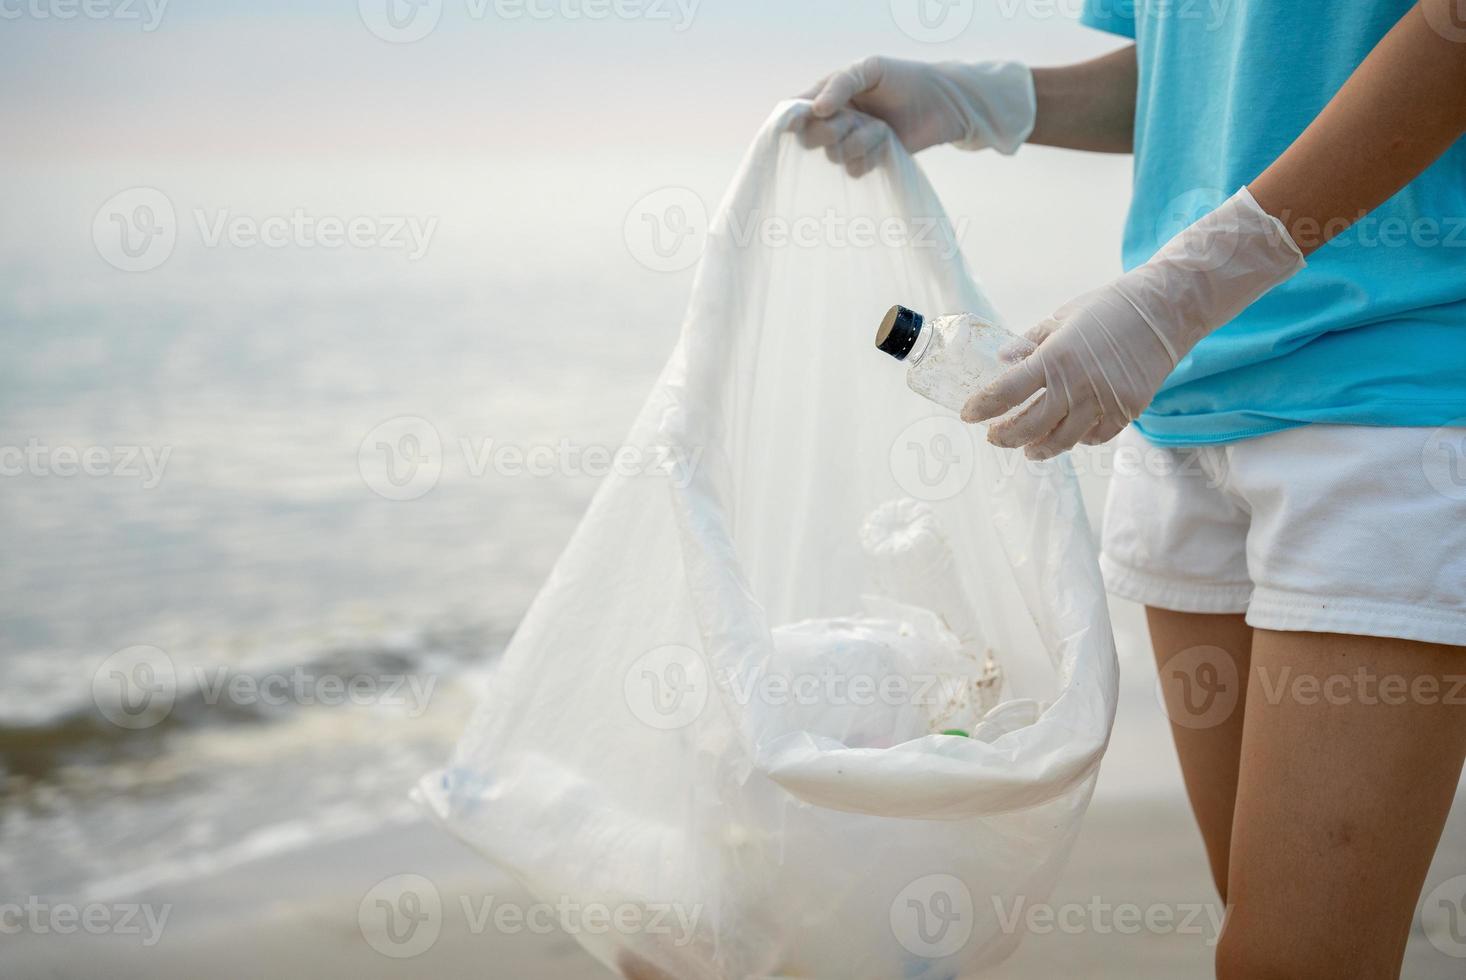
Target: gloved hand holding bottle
(1102,357)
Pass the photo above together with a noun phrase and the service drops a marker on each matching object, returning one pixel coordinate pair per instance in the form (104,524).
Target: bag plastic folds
(822,690)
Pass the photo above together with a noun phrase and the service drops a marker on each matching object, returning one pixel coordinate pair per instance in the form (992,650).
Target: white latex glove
(990,104)
(1101,358)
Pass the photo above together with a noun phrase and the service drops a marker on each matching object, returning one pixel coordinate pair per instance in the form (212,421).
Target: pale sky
(229,75)
(528,136)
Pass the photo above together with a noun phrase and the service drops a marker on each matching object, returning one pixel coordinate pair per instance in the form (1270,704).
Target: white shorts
(1323,528)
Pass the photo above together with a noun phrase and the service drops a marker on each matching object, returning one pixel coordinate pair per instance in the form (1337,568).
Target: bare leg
(1346,781)
(1203,664)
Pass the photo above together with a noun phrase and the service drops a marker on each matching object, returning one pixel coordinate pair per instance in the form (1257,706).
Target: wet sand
(296,916)
(1138,859)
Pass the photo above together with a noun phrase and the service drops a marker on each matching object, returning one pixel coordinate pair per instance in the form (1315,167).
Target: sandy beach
(329,325)
(1138,860)
(297,916)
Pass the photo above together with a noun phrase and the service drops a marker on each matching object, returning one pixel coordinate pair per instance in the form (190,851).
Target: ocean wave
(100,726)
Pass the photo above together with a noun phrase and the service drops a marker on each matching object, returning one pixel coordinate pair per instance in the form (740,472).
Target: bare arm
(1088,106)
(1399,111)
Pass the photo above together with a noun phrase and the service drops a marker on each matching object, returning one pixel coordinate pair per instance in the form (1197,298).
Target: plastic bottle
(949,358)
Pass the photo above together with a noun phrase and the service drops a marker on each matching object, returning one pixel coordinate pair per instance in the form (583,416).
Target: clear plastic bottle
(949,358)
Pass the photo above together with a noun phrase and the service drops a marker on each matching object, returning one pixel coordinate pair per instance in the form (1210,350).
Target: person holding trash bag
(1294,359)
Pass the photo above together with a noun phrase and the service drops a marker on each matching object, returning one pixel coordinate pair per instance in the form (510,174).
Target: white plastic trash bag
(715,743)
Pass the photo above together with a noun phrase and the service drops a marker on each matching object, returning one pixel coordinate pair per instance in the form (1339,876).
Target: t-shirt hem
(1109,23)
(1200,430)
(1223,427)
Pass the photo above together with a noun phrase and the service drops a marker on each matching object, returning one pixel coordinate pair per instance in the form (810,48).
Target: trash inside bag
(825,695)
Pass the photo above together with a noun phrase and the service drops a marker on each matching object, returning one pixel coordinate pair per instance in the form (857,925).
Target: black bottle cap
(898,332)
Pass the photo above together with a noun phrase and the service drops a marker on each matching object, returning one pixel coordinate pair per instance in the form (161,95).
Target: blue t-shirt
(1373,332)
